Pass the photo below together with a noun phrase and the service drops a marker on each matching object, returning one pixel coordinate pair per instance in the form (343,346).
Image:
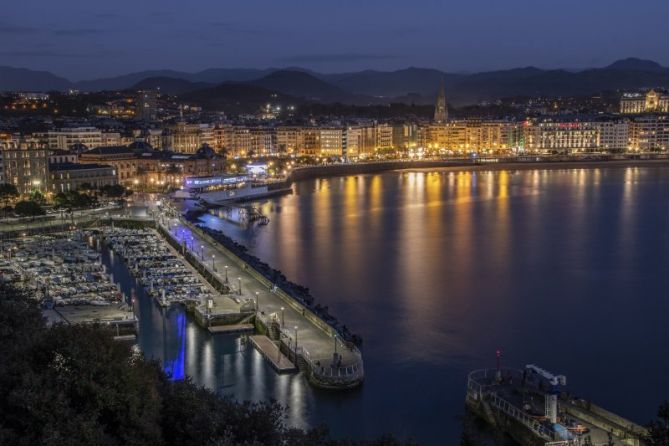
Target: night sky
(84,39)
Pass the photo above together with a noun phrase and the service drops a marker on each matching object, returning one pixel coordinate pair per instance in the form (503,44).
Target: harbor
(178,264)
(66,276)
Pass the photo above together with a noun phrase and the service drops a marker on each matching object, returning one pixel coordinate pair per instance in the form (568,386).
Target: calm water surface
(438,269)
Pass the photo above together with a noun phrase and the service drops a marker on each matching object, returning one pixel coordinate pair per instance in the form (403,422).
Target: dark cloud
(107,15)
(60,54)
(8,29)
(339,57)
(75,32)
(233,27)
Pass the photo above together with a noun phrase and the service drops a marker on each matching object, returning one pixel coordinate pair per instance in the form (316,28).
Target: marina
(66,276)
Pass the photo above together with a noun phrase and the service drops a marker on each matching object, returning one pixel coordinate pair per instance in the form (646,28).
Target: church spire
(440,110)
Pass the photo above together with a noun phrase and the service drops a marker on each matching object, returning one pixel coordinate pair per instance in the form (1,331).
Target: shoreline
(306,173)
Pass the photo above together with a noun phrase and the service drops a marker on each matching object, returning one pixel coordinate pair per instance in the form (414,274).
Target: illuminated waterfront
(438,269)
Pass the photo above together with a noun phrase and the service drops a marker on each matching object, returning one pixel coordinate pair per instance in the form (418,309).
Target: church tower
(440,110)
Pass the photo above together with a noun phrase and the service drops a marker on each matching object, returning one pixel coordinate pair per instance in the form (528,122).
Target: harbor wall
(289,300)
(305,173)
(513,163)
(631,433)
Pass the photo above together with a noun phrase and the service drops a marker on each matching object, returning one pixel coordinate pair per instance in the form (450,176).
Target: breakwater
(278,281)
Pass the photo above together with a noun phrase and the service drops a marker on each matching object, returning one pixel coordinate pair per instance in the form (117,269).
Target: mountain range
(409,85)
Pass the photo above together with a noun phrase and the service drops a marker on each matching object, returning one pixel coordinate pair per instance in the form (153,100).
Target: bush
(28,209)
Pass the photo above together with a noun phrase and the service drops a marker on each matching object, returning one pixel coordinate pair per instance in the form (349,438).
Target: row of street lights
(257,295)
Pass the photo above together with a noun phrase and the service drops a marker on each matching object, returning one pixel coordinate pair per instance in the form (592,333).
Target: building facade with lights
(25,169)
(651,102)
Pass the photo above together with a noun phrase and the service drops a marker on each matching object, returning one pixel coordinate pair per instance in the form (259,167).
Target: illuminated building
(25,169)
(65,138)
(405,135)
(440,110)
(289,139)
(65,177)
(613,136)
(182,137)
(139,164)
(649,133)
(560,137)
(652,102)
(146,105)
(384,136)
(332,143)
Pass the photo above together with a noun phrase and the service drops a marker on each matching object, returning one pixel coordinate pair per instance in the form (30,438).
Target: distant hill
(422,81)
(169,85)
(22,79)
(634,64)
(233,97)
(410,85)
(302,84)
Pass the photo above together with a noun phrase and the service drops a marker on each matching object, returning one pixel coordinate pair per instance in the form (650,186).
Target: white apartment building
(65,138)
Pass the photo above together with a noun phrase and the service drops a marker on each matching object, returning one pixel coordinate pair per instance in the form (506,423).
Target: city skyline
(80,41)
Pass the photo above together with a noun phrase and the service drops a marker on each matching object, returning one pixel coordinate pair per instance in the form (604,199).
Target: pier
(305,339)
(529,406)
(272,354)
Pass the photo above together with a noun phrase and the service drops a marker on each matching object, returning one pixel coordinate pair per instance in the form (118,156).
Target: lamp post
(226,273)
(239,282)
(282,320)
(296,343)
(201,252)
(257,301)
(213,265)
(335,344)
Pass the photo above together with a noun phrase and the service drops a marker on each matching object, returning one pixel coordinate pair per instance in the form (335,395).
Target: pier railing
(481,387)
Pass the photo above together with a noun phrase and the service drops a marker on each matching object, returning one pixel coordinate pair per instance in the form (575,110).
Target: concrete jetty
(310,342)
(532,407)
(272,354)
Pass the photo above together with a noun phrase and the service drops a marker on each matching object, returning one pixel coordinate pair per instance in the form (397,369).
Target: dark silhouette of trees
(28,209)
(74,385)
(658,430)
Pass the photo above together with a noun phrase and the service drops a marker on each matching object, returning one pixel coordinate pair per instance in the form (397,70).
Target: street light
(282,321)
(296,342)
(226,273)
(335,343)
(257,301)
(239,281)
(202,252)
(213,266)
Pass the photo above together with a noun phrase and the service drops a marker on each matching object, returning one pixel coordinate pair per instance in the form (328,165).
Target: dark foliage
(28,209)
(73,385)
(658,430)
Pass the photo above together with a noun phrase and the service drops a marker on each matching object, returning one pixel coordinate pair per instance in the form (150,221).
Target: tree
(113,191)
(658,430)
(75,385)
(8,192)
(28,209)
(37,196)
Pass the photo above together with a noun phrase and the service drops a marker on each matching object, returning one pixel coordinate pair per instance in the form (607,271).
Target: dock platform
(232,329)
(271,352)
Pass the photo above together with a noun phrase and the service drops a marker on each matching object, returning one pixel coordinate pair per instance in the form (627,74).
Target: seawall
(518,163)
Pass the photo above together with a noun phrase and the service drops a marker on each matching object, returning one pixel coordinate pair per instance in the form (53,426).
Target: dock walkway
(271,352)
